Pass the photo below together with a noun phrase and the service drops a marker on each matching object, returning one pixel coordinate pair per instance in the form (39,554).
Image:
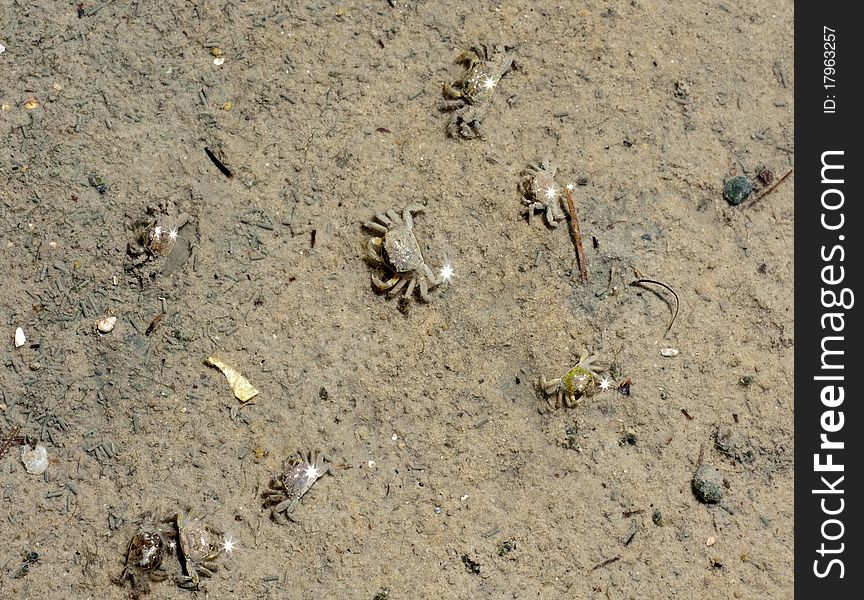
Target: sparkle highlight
(311,472)
(228,545)
(447,272)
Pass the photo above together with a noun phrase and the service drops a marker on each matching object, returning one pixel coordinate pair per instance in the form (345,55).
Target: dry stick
(577,235)
(770,189)
(606,563)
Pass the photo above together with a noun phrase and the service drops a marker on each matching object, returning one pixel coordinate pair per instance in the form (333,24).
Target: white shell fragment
(243,390)
(219,61)
(106,325)
(35,460)
(20,340)
(2,48)
(669,352)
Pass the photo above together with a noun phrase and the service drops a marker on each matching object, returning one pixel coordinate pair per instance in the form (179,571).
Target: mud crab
(144,556)
(469,98)
(539,192)
(580,381)
(199,548)
(399,252)
(151,240)
(298,475)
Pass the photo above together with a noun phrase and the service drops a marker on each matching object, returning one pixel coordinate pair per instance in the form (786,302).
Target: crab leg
(410,289)
(451,104)
(394,216)
(375,227)
(533,208)
(397,287)
(435,281)
(424,290)
(406,213)
(550,215)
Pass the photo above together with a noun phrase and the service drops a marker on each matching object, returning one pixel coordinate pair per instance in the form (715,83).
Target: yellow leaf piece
(243,390)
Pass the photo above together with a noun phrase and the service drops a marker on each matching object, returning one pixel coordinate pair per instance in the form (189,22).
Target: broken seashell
(243,390)
(20,340)
(35,460)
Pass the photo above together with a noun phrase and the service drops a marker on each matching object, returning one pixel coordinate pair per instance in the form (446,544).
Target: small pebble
(737,189)
(669,352)
(711,541)
(106,325)
(708,484)
(98,183)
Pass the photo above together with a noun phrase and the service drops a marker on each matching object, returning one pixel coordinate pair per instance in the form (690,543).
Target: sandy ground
(451,476)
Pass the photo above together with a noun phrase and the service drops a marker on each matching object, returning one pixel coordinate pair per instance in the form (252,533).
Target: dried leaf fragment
(243,390)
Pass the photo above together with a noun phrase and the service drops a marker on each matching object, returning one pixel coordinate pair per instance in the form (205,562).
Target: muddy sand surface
(451,474)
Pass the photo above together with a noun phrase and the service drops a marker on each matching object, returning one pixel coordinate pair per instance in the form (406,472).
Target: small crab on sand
(399,252)
(199,547)
(470,96)
(539,192)
(298,475)
(144,556)
(578,382)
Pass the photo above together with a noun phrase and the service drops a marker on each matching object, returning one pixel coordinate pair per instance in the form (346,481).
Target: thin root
(663,285)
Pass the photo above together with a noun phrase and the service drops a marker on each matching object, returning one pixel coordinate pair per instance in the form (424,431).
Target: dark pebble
(737,189)
(708,484)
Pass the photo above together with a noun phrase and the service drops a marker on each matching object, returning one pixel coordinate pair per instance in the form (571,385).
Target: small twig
(577,236)
(219,164)
(661,284)
(606,563)
(156,320)
(770,189)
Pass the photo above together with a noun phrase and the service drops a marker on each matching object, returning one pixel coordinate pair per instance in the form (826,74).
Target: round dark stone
(708,484)
(737,189)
